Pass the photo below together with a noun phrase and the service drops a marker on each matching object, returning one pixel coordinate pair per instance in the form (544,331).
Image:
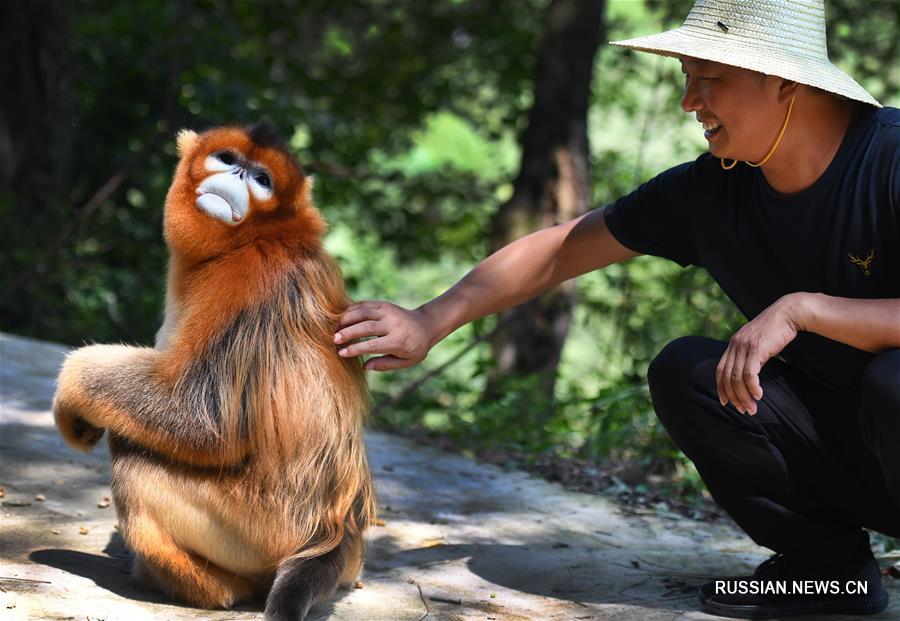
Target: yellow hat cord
(774,146)
(728,166)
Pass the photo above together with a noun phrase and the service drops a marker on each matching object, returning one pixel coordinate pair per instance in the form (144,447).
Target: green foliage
(353,85)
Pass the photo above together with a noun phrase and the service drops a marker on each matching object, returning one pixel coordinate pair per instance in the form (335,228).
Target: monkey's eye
(263,180)
(226,158)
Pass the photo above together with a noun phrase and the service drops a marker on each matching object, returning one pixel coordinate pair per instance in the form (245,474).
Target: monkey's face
(233,180)
(235,186)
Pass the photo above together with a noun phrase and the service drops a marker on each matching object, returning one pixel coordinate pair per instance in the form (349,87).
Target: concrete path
(461,540)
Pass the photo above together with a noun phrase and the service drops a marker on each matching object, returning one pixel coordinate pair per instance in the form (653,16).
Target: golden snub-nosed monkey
(238,466)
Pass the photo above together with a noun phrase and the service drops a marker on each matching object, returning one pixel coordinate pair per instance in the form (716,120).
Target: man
(794,424)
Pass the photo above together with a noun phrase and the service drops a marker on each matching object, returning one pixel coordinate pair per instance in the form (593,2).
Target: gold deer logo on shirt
(864,264)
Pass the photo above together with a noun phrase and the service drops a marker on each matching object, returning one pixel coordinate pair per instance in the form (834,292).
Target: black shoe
(785,587)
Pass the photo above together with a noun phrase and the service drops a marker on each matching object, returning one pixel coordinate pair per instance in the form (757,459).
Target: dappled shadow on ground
(106,572)
(110,572)
(591,578)
(551,569)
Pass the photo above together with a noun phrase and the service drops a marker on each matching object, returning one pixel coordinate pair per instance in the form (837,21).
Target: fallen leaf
(379,522)
(358,585)
(2,492)
(84,530)
(40,498)
(55,531)
(430,543)
(103,503)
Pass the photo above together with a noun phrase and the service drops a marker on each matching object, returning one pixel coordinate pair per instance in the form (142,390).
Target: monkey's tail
(301,583)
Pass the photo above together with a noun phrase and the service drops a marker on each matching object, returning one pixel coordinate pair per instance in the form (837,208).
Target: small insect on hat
(785,38)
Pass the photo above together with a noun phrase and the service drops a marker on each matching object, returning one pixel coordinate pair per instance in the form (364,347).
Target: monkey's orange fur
(237,441)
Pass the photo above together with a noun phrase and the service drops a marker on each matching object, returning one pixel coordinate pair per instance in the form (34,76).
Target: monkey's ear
(186,140)
(307,190)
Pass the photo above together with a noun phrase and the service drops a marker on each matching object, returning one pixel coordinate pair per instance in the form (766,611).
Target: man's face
(739,108)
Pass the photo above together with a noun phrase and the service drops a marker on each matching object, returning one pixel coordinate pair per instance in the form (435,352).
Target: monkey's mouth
(220,207)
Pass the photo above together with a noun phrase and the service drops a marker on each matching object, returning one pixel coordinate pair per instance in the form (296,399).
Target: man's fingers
(378,345)
(360,330)
(742,374)
(748,385)
(361,311)
(753,384)
(736,379)
(720,379)
(728,378)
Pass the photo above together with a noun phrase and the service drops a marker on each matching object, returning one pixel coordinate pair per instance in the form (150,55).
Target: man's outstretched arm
(515,273)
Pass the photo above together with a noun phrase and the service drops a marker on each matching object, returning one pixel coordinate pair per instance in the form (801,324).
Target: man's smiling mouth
(710,128)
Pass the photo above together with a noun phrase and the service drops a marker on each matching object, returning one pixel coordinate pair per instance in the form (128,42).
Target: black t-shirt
(840,236)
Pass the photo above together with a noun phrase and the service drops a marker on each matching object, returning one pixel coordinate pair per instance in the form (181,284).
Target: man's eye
(226,158)
(263,180)
(702,78)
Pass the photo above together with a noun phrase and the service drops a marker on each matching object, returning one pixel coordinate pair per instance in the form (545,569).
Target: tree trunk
(35,110)
(35,144)
(553,186)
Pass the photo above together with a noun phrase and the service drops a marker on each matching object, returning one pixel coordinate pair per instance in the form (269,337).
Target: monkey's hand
(128,390)
(79,409)
(75,429)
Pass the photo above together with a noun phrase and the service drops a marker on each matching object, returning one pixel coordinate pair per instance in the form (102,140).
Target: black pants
(812,467)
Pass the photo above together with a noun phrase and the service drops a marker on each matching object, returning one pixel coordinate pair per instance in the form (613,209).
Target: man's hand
(403,336)
(737,375)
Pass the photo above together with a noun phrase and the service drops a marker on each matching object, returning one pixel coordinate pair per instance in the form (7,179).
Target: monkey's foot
(197,582)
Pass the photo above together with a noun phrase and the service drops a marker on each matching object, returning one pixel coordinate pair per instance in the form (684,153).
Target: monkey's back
(268,381)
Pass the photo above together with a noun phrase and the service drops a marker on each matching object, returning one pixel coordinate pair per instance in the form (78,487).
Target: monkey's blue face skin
(226,193)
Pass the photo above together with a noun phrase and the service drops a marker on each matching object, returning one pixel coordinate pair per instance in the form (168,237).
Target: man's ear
(787,89)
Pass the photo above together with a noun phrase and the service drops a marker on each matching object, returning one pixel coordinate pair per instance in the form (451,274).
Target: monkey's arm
(123,389)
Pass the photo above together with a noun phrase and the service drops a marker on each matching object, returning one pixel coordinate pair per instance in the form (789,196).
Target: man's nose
(690,101)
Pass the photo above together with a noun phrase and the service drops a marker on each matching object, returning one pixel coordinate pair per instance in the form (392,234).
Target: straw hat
(785,38)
